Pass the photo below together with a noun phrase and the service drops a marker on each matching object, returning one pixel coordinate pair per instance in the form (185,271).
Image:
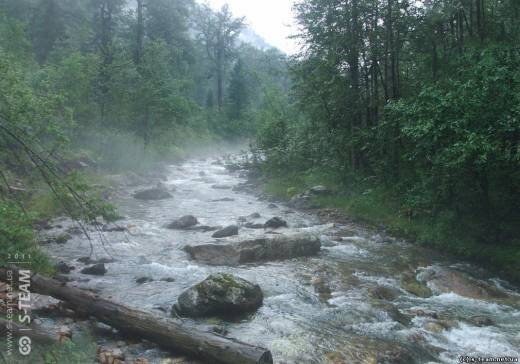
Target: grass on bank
(379,207)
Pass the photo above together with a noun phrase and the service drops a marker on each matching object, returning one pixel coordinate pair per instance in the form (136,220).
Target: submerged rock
(158,193)
(184,222)
(275,223)
(444,280)
(225,199)
(226,232)
(481,321)
(383,293)
(58,239)
(251,225)
(89,260)
(219,294)
(142,280)
(95,270)
(276,247)
(410,284)
(221,187)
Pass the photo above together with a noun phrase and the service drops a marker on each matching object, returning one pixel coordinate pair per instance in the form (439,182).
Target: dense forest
(412,109)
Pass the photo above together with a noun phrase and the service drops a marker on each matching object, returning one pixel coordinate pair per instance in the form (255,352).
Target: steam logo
(24,345)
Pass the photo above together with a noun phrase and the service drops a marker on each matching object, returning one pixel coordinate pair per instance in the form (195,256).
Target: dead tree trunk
(165,332)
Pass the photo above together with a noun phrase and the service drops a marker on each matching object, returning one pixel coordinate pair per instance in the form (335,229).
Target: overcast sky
(271,19)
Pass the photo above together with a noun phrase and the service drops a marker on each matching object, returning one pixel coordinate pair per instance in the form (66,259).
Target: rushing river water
(320,309)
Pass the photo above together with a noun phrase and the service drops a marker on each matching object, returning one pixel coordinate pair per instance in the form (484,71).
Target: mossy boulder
(219,294)
(410,284)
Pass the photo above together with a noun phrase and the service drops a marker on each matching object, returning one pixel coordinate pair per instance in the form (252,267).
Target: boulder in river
(276,247)
(95,270)
(226,232)
(275,223)
(445,280)
(219,294)
(157,193)
(184,222)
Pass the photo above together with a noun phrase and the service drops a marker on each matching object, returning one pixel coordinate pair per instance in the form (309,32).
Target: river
(322,309)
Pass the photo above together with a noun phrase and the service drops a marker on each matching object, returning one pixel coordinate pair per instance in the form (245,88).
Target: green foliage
(17,241)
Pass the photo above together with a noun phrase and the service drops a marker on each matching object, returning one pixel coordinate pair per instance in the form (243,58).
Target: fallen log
(35,333)
(166,332)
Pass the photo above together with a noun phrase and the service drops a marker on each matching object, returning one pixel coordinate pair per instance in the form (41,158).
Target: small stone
(95,270)
(226,232)
(481,321)
(63,267)
(383,293)
(251,225)
(64,331)
(143,280)
(275,223)
(168,279)
(320,191)
(62,238)
(184,222)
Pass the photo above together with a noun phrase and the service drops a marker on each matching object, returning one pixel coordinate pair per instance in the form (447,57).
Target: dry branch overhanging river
(359,300)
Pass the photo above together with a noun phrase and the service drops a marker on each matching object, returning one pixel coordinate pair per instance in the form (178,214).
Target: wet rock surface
(267,248)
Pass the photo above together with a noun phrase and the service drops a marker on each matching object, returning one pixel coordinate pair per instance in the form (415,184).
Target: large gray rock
(157,193)
(184,222)
(276,247)
(226,232)
(219,294)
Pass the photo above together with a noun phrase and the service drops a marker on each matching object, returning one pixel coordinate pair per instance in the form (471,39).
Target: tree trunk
(140,33)
(163,331)
(35,333)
